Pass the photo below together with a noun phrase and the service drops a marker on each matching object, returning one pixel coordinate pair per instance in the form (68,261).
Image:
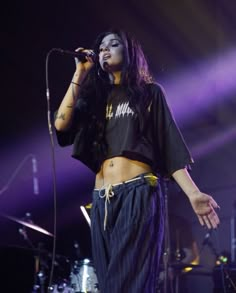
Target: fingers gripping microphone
(81,55)
(35,178)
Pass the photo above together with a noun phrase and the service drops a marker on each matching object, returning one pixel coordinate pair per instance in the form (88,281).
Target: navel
(111,164)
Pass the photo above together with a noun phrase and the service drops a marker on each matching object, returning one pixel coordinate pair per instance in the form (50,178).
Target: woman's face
(111,55)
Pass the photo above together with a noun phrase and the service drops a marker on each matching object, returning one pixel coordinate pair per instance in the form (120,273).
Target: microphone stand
(15,173)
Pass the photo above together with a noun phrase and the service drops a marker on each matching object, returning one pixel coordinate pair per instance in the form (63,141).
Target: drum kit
(81,272)
(82,279)
(79,275)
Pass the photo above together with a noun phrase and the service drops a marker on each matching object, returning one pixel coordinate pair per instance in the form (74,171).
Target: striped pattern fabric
(126,254)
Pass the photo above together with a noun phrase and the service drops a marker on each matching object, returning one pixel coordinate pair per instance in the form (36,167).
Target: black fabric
(122,125)
(170,150)
(86,135)
(160,145)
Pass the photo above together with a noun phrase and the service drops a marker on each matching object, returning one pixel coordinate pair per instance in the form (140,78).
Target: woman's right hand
(83,68)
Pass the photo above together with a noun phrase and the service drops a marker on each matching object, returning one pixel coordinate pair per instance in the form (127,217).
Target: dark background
(190,46)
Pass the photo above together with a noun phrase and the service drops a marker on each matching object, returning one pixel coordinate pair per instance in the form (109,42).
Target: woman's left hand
(204,206)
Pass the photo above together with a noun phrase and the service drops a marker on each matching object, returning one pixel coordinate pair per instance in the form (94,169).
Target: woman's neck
(115,77)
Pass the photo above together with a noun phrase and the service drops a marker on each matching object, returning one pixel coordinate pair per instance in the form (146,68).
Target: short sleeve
(171,152)
(67,137)
(85,135)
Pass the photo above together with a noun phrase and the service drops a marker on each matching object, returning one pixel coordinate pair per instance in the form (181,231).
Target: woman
(121,127)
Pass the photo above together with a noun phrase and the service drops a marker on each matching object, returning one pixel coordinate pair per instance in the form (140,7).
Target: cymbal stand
(40,276)
(39,272)
(23,230)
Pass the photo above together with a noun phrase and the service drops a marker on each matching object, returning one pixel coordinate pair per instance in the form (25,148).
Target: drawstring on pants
(107,195)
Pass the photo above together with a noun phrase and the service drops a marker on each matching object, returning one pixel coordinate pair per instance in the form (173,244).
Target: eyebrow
(115,39)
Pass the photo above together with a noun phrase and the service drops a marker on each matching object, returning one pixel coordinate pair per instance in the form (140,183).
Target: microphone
(35,178)
(81,55)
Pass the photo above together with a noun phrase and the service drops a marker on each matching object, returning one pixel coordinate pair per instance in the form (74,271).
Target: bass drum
(83,277)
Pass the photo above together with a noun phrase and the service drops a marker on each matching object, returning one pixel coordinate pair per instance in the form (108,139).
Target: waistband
(151,178)
(109,189)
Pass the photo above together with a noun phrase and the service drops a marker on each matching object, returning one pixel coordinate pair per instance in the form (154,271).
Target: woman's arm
(65,112)
(203,204)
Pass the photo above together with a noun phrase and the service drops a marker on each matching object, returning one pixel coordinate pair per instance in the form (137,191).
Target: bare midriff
(119,169)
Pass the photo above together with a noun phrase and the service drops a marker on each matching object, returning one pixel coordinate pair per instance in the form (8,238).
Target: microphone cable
(53,170)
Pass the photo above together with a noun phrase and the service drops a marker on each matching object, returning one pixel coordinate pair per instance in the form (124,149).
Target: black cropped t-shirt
(122,131)
(160,144)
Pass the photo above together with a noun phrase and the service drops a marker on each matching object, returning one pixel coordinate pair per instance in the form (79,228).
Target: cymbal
(29,225)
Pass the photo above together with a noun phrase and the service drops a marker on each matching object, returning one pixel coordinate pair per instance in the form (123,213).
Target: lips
(106,56)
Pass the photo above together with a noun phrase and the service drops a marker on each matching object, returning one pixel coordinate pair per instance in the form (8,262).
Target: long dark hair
(134,77)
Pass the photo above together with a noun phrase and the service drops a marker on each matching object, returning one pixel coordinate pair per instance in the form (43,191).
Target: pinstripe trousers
(126,250)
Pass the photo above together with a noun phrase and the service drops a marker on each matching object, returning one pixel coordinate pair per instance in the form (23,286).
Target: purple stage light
(222,138)
(68,171)
(198,88)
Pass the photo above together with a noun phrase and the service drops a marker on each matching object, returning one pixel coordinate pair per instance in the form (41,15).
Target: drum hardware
(83,277)
(28,224)
(177,251)
(40,269)
(60,284)
(71,276)
(40,255)
(77,250)
(40,263)
(62,287)
(175,271)
(80,277)
(40,287)
(224,276)
(41,266)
